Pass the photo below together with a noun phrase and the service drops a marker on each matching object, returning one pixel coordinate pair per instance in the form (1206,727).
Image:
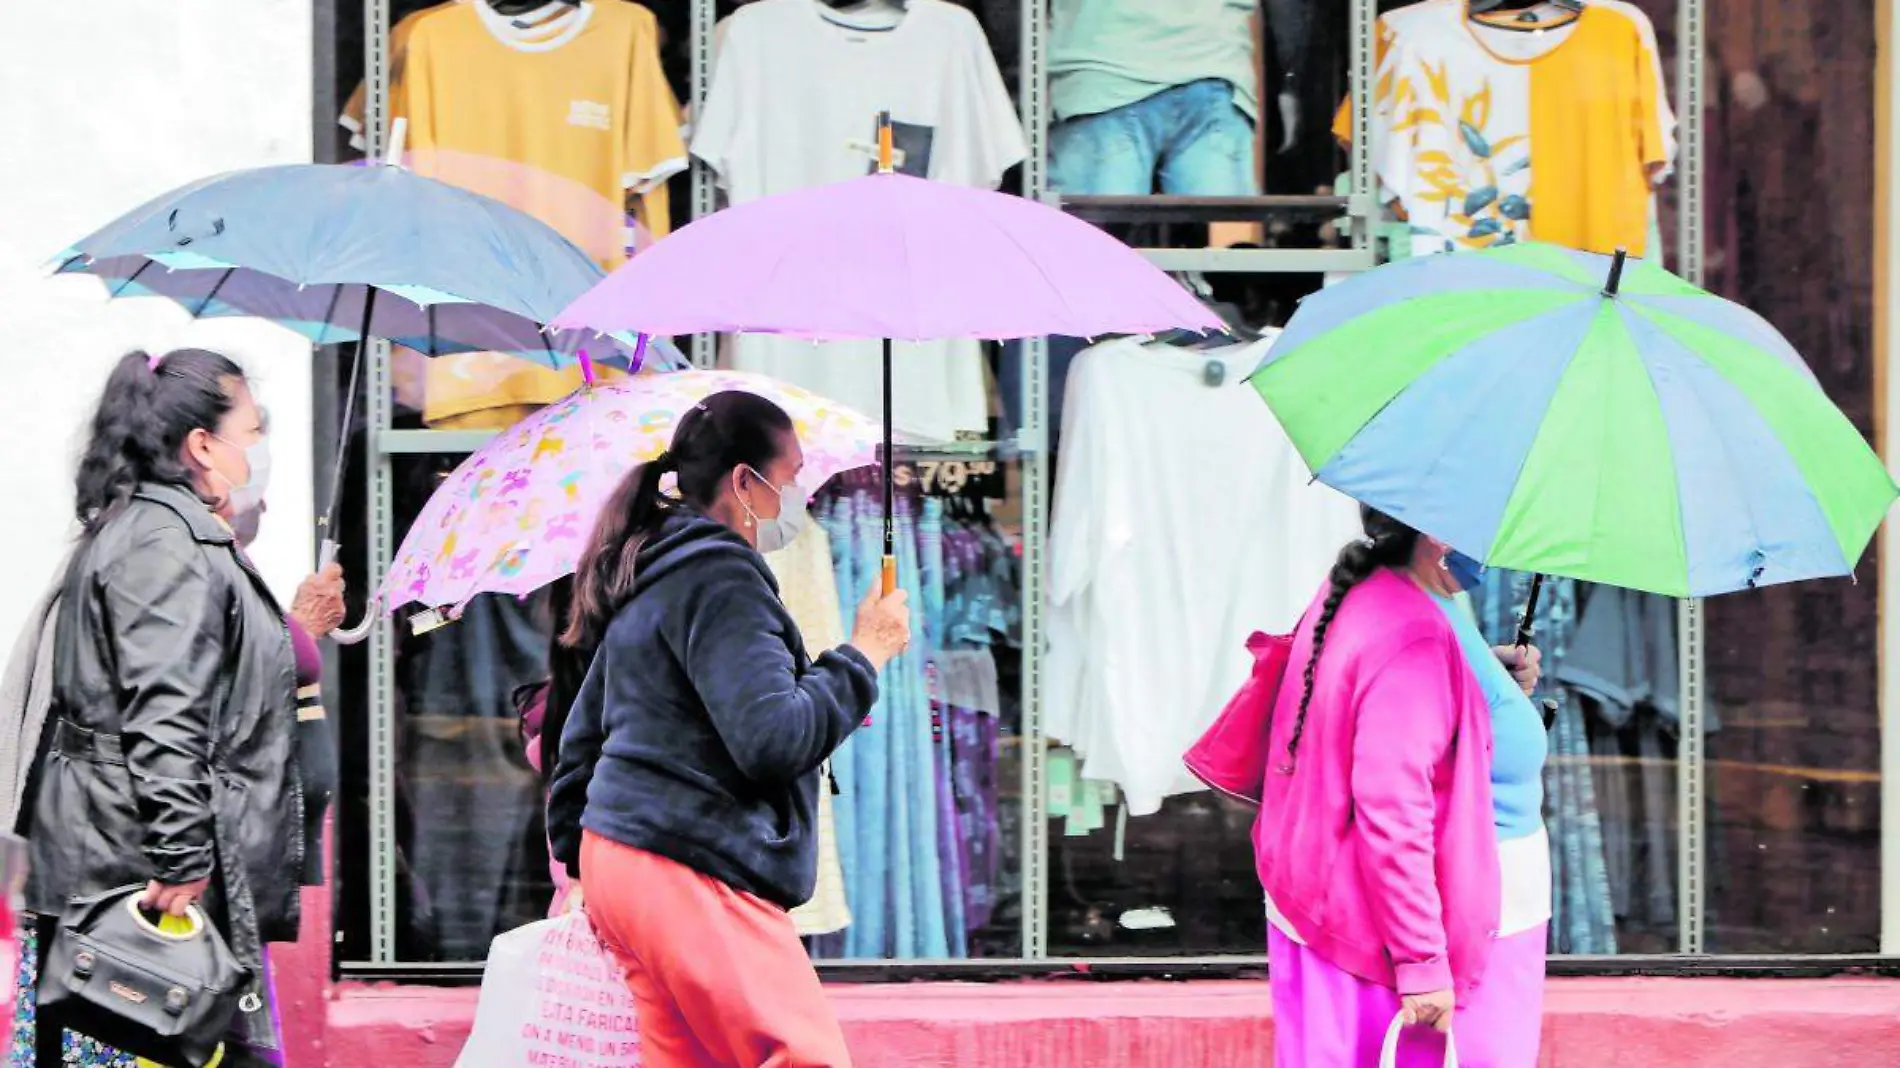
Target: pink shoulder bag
(1232,756)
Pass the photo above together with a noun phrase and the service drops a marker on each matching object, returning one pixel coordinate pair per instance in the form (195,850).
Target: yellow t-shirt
(352,117)
(1488,136)
(562,126)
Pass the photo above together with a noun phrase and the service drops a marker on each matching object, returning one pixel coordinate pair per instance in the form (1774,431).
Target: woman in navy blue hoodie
(686,789)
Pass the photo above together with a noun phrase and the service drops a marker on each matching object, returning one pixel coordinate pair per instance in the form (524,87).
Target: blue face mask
(1465,571)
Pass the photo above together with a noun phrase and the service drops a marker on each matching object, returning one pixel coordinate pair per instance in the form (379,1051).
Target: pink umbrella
(515,516)
(889,256)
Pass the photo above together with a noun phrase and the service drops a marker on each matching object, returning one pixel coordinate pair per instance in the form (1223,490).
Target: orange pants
(719,976)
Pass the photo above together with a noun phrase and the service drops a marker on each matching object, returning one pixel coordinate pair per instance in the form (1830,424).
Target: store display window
(1092,527)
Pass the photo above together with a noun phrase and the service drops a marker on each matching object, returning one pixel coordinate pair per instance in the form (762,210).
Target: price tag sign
(974,479)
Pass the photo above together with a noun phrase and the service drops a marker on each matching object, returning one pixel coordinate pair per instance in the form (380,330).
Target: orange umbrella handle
(889,586)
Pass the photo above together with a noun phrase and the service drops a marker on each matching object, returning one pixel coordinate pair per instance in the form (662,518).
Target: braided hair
(1388,543)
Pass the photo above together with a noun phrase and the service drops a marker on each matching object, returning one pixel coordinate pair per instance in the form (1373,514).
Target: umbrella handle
(887,584)
(326,555)
(354,635)
(1526,629)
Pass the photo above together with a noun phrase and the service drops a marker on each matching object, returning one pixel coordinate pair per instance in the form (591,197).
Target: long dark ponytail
(725,431)
(138,430)
(1388,543)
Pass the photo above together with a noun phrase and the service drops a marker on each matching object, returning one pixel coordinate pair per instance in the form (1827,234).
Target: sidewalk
(1734,1023)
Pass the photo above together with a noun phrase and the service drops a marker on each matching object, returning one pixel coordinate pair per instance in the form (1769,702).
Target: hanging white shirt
(1184,521)
(794,104)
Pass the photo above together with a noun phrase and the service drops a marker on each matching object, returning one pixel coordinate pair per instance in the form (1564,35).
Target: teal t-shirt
(1518,745)
(1106,54)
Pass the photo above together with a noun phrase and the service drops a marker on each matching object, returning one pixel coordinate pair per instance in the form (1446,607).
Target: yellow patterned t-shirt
(1488,136)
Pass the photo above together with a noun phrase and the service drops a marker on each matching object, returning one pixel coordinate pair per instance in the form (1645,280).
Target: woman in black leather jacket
(171,756)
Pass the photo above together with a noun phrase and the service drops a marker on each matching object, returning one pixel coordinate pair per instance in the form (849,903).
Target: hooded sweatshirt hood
(687,542)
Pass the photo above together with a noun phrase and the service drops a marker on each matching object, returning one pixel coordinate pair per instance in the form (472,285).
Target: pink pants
(9,970)
(718,977)
(1324,1017)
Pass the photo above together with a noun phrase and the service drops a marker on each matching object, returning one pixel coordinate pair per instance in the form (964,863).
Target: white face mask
(250,495)
(783,529)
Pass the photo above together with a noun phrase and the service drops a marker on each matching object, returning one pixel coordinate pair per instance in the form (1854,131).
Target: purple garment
(949,855)
(1324,1017)
(973,738)
(309,657)
(532,700)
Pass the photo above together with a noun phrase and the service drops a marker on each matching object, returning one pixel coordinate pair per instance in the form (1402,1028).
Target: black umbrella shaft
(1525,626)
(349,414)
(890,462)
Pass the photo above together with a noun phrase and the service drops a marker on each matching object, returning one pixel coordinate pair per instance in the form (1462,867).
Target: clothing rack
(1165,211)
(378,953)
(1180,209)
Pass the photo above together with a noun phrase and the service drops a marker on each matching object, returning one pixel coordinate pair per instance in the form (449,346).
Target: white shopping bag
(552,996)
(1388,1055)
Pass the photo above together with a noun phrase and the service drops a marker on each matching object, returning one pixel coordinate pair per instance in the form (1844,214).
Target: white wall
(104,104)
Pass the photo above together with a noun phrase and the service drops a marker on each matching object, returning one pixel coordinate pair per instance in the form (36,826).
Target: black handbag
(112,974)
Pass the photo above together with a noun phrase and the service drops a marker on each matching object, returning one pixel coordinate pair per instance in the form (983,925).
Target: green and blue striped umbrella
(1565,413)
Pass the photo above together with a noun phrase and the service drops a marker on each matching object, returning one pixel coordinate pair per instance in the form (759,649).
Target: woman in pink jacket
(1400,839)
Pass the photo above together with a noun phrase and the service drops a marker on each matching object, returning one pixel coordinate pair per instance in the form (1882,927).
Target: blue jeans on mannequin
(1190,140)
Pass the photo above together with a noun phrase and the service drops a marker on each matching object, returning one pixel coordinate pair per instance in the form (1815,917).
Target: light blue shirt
(1106,54)
(1518,745)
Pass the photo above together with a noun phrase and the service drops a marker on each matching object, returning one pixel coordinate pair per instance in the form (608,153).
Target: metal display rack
(1029,447)
(1691,755)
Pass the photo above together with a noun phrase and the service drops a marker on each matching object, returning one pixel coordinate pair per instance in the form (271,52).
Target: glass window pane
(1182,880)
(922,848)
(473,858)
(1794,744)
(1611,687)
(929,856)
(927,804)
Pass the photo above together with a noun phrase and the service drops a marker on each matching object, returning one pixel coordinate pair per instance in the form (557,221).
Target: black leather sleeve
(166,620)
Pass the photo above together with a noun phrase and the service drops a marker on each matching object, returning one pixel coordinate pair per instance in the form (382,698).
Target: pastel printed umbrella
(515,515)
(889,256)
(1565,413)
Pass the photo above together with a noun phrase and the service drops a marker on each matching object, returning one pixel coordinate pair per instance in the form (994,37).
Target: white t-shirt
(1184,521)
(794,104)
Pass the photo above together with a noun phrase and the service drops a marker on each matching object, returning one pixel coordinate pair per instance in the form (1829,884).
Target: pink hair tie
(154,361)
